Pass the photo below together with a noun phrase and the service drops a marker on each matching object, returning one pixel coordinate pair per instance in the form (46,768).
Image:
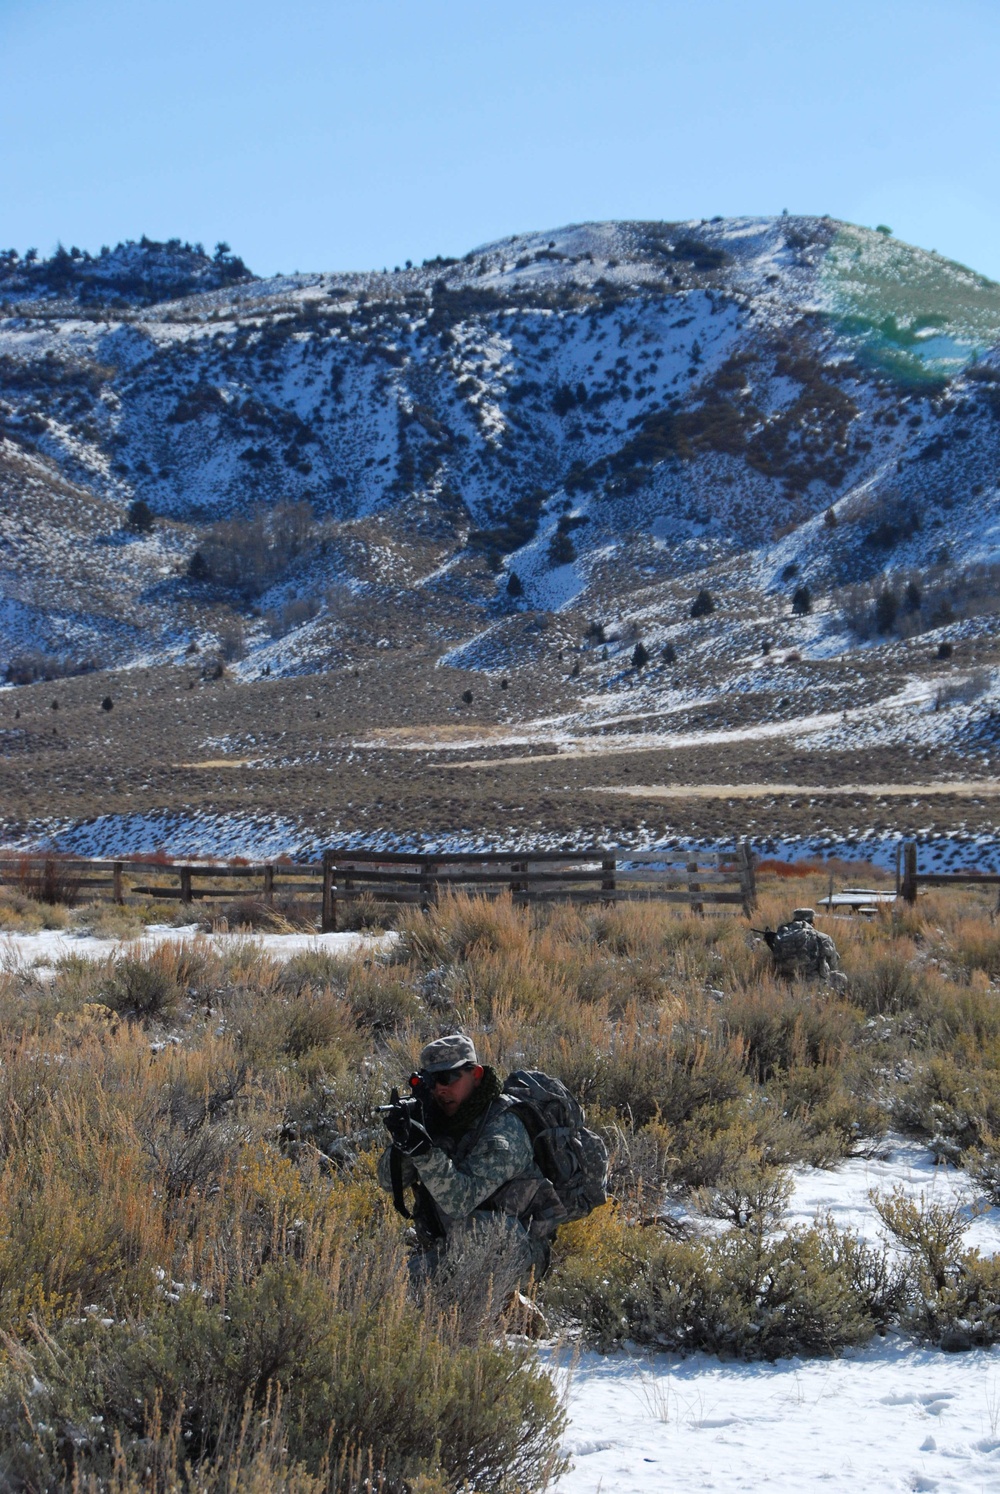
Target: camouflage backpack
(574,1159)
(800,949)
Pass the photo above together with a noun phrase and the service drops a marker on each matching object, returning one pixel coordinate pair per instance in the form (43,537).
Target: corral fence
(697,878)
(602,875)
(913,878)
(56,878)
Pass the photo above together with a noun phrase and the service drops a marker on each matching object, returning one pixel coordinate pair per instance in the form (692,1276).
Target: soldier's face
(448,1097)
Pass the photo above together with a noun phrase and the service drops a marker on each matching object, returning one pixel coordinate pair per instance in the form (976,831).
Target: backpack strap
(396,1178)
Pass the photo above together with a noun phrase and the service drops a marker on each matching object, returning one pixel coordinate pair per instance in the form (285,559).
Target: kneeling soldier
(461,1147)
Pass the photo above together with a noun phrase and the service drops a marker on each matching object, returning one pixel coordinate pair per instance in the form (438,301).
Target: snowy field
(44,950)
(893,1416)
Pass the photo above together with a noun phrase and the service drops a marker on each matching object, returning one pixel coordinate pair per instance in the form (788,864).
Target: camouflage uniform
(484,1179)
(800,949)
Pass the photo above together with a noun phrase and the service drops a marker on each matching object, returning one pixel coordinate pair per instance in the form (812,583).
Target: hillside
(506,477)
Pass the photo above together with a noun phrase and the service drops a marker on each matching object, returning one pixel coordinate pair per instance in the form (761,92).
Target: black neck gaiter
(469,1112)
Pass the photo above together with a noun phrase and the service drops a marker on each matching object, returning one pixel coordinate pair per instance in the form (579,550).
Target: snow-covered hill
(563,431)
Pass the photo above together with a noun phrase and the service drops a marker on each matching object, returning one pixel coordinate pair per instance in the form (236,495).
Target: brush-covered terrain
(203,1287)
(501,546)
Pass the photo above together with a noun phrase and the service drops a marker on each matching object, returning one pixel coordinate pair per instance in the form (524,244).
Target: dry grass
(167,1265)
(187,1139)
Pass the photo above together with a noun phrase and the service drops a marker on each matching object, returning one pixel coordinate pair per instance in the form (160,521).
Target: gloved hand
(408,1134)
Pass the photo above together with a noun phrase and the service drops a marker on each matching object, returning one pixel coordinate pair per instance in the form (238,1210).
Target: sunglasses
(444,1077)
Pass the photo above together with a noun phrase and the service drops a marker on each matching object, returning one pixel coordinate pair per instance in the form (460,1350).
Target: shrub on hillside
(29,666)
(808,1291)
(292,614)
(703,604)
(140,517)
(894,520)
(146,989)
(359,1378)
(249,553)
(562,550)
(953,1296)
(48,880)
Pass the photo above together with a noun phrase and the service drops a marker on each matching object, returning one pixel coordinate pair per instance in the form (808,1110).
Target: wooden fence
(697,878)
(602,875)
(913,878)
(62,878)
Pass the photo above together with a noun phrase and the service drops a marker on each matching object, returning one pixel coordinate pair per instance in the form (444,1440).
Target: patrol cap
(449,1052)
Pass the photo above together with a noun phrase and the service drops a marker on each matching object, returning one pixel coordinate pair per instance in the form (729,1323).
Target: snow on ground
(893,1416)
(44,950)
(890,1417)
(842,1192)
(263,836)
(962,851)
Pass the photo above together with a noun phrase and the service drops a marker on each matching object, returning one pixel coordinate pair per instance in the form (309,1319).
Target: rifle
(768,935)
(412,1114)
(413,1105)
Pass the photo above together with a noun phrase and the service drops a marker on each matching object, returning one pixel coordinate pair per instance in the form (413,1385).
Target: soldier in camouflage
(799,949)
(470,1164)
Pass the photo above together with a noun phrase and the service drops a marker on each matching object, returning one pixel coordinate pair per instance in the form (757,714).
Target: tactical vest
(529,1196)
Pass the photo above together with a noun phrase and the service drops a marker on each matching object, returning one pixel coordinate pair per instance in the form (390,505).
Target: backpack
(574,1159)
(800,949)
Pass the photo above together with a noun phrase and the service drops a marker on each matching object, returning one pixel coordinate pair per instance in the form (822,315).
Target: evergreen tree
(140,517)
(886,607)
(562,550)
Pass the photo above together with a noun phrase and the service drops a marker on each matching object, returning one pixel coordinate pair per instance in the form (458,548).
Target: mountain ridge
(524,463)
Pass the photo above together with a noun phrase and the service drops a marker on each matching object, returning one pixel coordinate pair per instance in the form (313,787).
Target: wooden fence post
(185,872)
(116,877)
(428,885)
(269,884)
(697,906)
(519,886)
(608,883)
(909,888)
(328,920)
(748,876)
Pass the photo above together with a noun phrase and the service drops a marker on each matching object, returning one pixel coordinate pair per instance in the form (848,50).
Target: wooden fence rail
(913,878)
(697,878)
(600,875)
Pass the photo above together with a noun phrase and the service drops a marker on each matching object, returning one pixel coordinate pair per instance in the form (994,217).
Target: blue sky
(345,135)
